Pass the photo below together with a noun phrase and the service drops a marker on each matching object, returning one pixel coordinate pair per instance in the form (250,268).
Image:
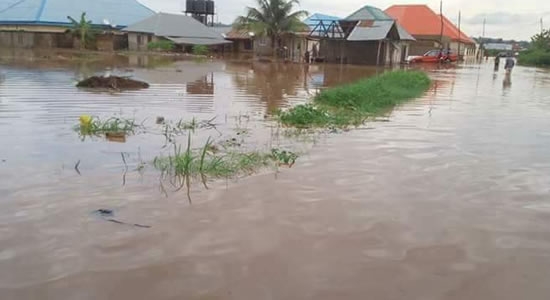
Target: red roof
(421,20)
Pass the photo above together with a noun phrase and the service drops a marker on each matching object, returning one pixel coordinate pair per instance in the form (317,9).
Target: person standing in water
(497,62)
(510,63)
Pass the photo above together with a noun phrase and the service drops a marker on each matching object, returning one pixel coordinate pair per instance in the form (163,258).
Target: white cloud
(506,19)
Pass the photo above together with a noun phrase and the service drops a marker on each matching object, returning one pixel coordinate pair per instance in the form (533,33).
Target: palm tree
(272,18)
(82,29)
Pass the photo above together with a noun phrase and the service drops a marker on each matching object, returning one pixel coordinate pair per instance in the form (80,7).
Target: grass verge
(351,104)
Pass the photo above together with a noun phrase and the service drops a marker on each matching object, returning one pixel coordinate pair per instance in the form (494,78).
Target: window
(247,44)
(432,53)
(149,38)
(139,39)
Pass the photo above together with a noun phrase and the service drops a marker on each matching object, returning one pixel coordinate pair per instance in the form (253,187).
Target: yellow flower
(85,120)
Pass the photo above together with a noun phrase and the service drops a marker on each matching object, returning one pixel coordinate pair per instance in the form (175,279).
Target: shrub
(200,50)
(535,57)
(164,45)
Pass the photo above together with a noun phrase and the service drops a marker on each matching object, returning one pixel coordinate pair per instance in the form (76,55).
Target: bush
(163,45)
(200,50)
(535,57)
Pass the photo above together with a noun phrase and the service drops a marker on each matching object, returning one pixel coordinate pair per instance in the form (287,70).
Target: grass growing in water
(351,104)
(95,126)
(183,164)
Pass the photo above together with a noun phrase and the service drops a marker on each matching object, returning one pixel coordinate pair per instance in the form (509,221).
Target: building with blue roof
(54,13)
(367,36)
(41,23)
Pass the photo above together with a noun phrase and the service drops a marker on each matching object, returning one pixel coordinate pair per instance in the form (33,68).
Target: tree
(541,40)
(83,30)
(273,18)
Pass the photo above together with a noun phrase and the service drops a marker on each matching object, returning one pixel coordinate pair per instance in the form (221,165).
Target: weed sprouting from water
(171,130)
(90,126)
(183,165)
(284,157)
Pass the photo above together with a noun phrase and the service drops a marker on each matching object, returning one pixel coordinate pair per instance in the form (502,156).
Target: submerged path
(447,199)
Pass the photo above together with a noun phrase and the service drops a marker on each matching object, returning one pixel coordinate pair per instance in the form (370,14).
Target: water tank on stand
(201,10)
(210,7)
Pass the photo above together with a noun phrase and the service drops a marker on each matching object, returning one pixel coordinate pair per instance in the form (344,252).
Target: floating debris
(112,82)
(108,214)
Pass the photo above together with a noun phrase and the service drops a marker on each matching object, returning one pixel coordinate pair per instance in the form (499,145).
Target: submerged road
(446,199)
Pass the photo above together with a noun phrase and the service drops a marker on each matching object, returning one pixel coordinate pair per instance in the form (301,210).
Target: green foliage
(83,29)
(272,18)
(284,157)
(310,115)
(163,45)
(539,53)
(350,104)
(207,162)
(534,57)
(96,126)
(200,50)
(541,40)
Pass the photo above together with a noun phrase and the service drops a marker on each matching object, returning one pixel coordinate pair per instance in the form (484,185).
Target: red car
(434,56)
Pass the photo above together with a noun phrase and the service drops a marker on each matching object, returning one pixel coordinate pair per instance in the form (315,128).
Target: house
(44,23)
(182,30)
(367,36)
(291,46)
(243,40)
(318,25)
(426,27)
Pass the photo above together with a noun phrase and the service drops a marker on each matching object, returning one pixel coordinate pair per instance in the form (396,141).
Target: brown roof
(238,34)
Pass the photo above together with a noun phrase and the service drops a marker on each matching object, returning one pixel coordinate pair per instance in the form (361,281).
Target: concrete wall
(466,50)
(22,39)
(239,46)
(291,47)
(365,53)
(139,41)
(44,40)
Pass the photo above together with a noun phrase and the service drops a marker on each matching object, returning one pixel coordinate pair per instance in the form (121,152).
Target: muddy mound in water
(112,82)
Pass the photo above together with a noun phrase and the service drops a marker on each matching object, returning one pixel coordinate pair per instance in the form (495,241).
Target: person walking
(497,62)
(510,63)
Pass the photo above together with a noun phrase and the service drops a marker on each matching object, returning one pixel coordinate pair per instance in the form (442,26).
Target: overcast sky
(509,19)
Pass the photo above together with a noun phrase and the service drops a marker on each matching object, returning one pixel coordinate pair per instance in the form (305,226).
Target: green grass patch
(535,57)
(163,45)
(351,104)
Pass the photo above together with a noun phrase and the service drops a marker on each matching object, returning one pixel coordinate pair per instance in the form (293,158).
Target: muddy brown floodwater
(445,198)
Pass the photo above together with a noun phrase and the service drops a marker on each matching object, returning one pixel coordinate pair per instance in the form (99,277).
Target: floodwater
(445,198)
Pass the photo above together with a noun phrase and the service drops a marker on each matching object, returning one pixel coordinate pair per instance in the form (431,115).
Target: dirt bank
(112,82)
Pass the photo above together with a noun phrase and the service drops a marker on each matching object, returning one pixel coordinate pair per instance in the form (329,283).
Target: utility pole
(441,15)
(483,39)
(459,33)
(541,26)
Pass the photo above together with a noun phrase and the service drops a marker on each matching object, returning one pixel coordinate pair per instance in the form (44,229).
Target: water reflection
(203,86)
(507,82)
